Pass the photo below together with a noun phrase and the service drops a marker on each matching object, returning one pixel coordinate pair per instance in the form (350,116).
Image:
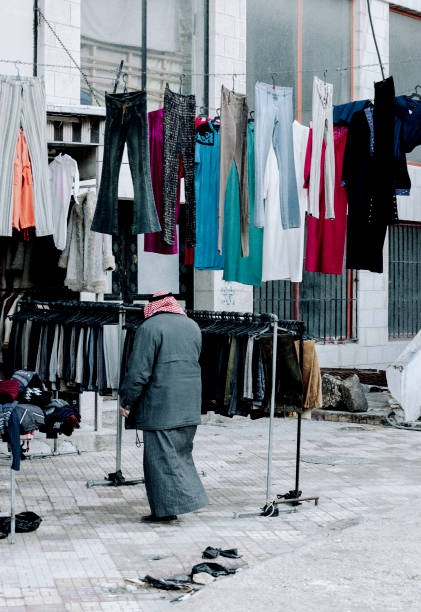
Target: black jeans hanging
(179,137)
(126,121)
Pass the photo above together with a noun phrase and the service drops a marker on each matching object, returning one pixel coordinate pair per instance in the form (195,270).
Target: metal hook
(234,76)
(182,77)
(125,77)
(273,80)
(17,69)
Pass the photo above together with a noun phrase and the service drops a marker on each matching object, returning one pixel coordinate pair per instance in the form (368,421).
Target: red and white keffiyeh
(167,303)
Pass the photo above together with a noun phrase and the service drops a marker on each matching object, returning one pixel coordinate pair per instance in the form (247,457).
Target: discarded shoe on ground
(214,569)
(212,553)
(25,523)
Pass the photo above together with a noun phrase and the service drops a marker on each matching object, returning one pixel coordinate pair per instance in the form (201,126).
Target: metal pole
(121,318)
(272,410)
(12,506)
(206,60)
(298,458)
(35,28)
(144,43)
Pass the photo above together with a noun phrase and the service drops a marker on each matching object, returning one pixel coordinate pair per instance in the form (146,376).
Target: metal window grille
(404,280)
(325,302)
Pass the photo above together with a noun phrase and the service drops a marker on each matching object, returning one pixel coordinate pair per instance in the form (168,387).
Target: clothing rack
(234,323)
(86,313)
(258,325)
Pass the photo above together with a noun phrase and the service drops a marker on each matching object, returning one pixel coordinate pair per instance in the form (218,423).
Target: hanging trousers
(126,121)
(273,124)
(322,123)
(179,138)
(22,103)
(233,145)
(384,132)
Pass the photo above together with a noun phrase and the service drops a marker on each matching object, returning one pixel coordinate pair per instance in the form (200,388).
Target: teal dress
(246,270)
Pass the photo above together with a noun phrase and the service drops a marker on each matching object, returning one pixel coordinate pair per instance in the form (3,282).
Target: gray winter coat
(163,382)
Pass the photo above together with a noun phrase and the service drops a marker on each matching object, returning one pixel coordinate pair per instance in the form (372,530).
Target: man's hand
(124,412)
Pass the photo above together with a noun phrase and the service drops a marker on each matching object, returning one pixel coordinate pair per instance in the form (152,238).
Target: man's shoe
(151,518)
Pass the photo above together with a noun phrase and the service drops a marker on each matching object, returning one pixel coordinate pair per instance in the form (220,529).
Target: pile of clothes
(26,406)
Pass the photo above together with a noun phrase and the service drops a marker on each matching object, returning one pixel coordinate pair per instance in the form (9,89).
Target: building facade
(361,319)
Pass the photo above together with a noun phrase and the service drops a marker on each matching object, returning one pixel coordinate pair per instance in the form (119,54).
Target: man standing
(163,387)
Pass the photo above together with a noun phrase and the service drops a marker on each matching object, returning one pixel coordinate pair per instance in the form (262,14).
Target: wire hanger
(273,81)
(18,73)
(182,77)
(125,76)
(415,94)
(217,116)
(234,76)
(251,117)
(202,113)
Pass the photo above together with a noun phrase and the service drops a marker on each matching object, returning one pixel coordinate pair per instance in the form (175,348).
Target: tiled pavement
(90,539)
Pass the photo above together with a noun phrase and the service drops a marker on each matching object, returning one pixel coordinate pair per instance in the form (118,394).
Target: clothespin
(182,77)
(234,76)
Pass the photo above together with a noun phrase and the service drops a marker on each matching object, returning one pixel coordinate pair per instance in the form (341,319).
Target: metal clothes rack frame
(273,326)
(115,313)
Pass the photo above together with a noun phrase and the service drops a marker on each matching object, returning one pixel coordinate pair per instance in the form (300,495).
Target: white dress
(283,249)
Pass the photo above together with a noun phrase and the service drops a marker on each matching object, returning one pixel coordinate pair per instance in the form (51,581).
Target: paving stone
(92,537)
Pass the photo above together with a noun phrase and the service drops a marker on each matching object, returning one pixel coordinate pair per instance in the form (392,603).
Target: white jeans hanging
(322,121)
(22,103)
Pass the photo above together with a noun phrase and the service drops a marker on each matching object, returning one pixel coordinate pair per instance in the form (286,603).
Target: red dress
(325,245)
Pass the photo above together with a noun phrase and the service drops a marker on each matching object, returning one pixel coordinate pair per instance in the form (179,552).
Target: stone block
(353,395)
(345,394)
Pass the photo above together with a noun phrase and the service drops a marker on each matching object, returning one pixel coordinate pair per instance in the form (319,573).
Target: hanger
(325,75)
(273,81)
(125,76)
(202,114)
(415,94)
(18,73)
(251,116)
(117,79)
(182,77)
(234,76)
(217,117)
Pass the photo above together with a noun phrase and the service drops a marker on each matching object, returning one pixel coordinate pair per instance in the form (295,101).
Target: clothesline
(220,74)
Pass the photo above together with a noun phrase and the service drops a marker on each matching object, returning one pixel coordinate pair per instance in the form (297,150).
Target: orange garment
(23,195)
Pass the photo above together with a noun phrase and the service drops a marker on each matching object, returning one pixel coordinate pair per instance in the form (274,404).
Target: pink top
(153,242)
(326,237)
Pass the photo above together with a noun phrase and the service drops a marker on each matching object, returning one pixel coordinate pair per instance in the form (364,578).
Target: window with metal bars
(325,302)
(404,279)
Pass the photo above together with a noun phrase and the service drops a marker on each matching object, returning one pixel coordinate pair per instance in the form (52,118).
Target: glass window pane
(111,30)
(404,36)
(176,46)
(326,45)
(271,44)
